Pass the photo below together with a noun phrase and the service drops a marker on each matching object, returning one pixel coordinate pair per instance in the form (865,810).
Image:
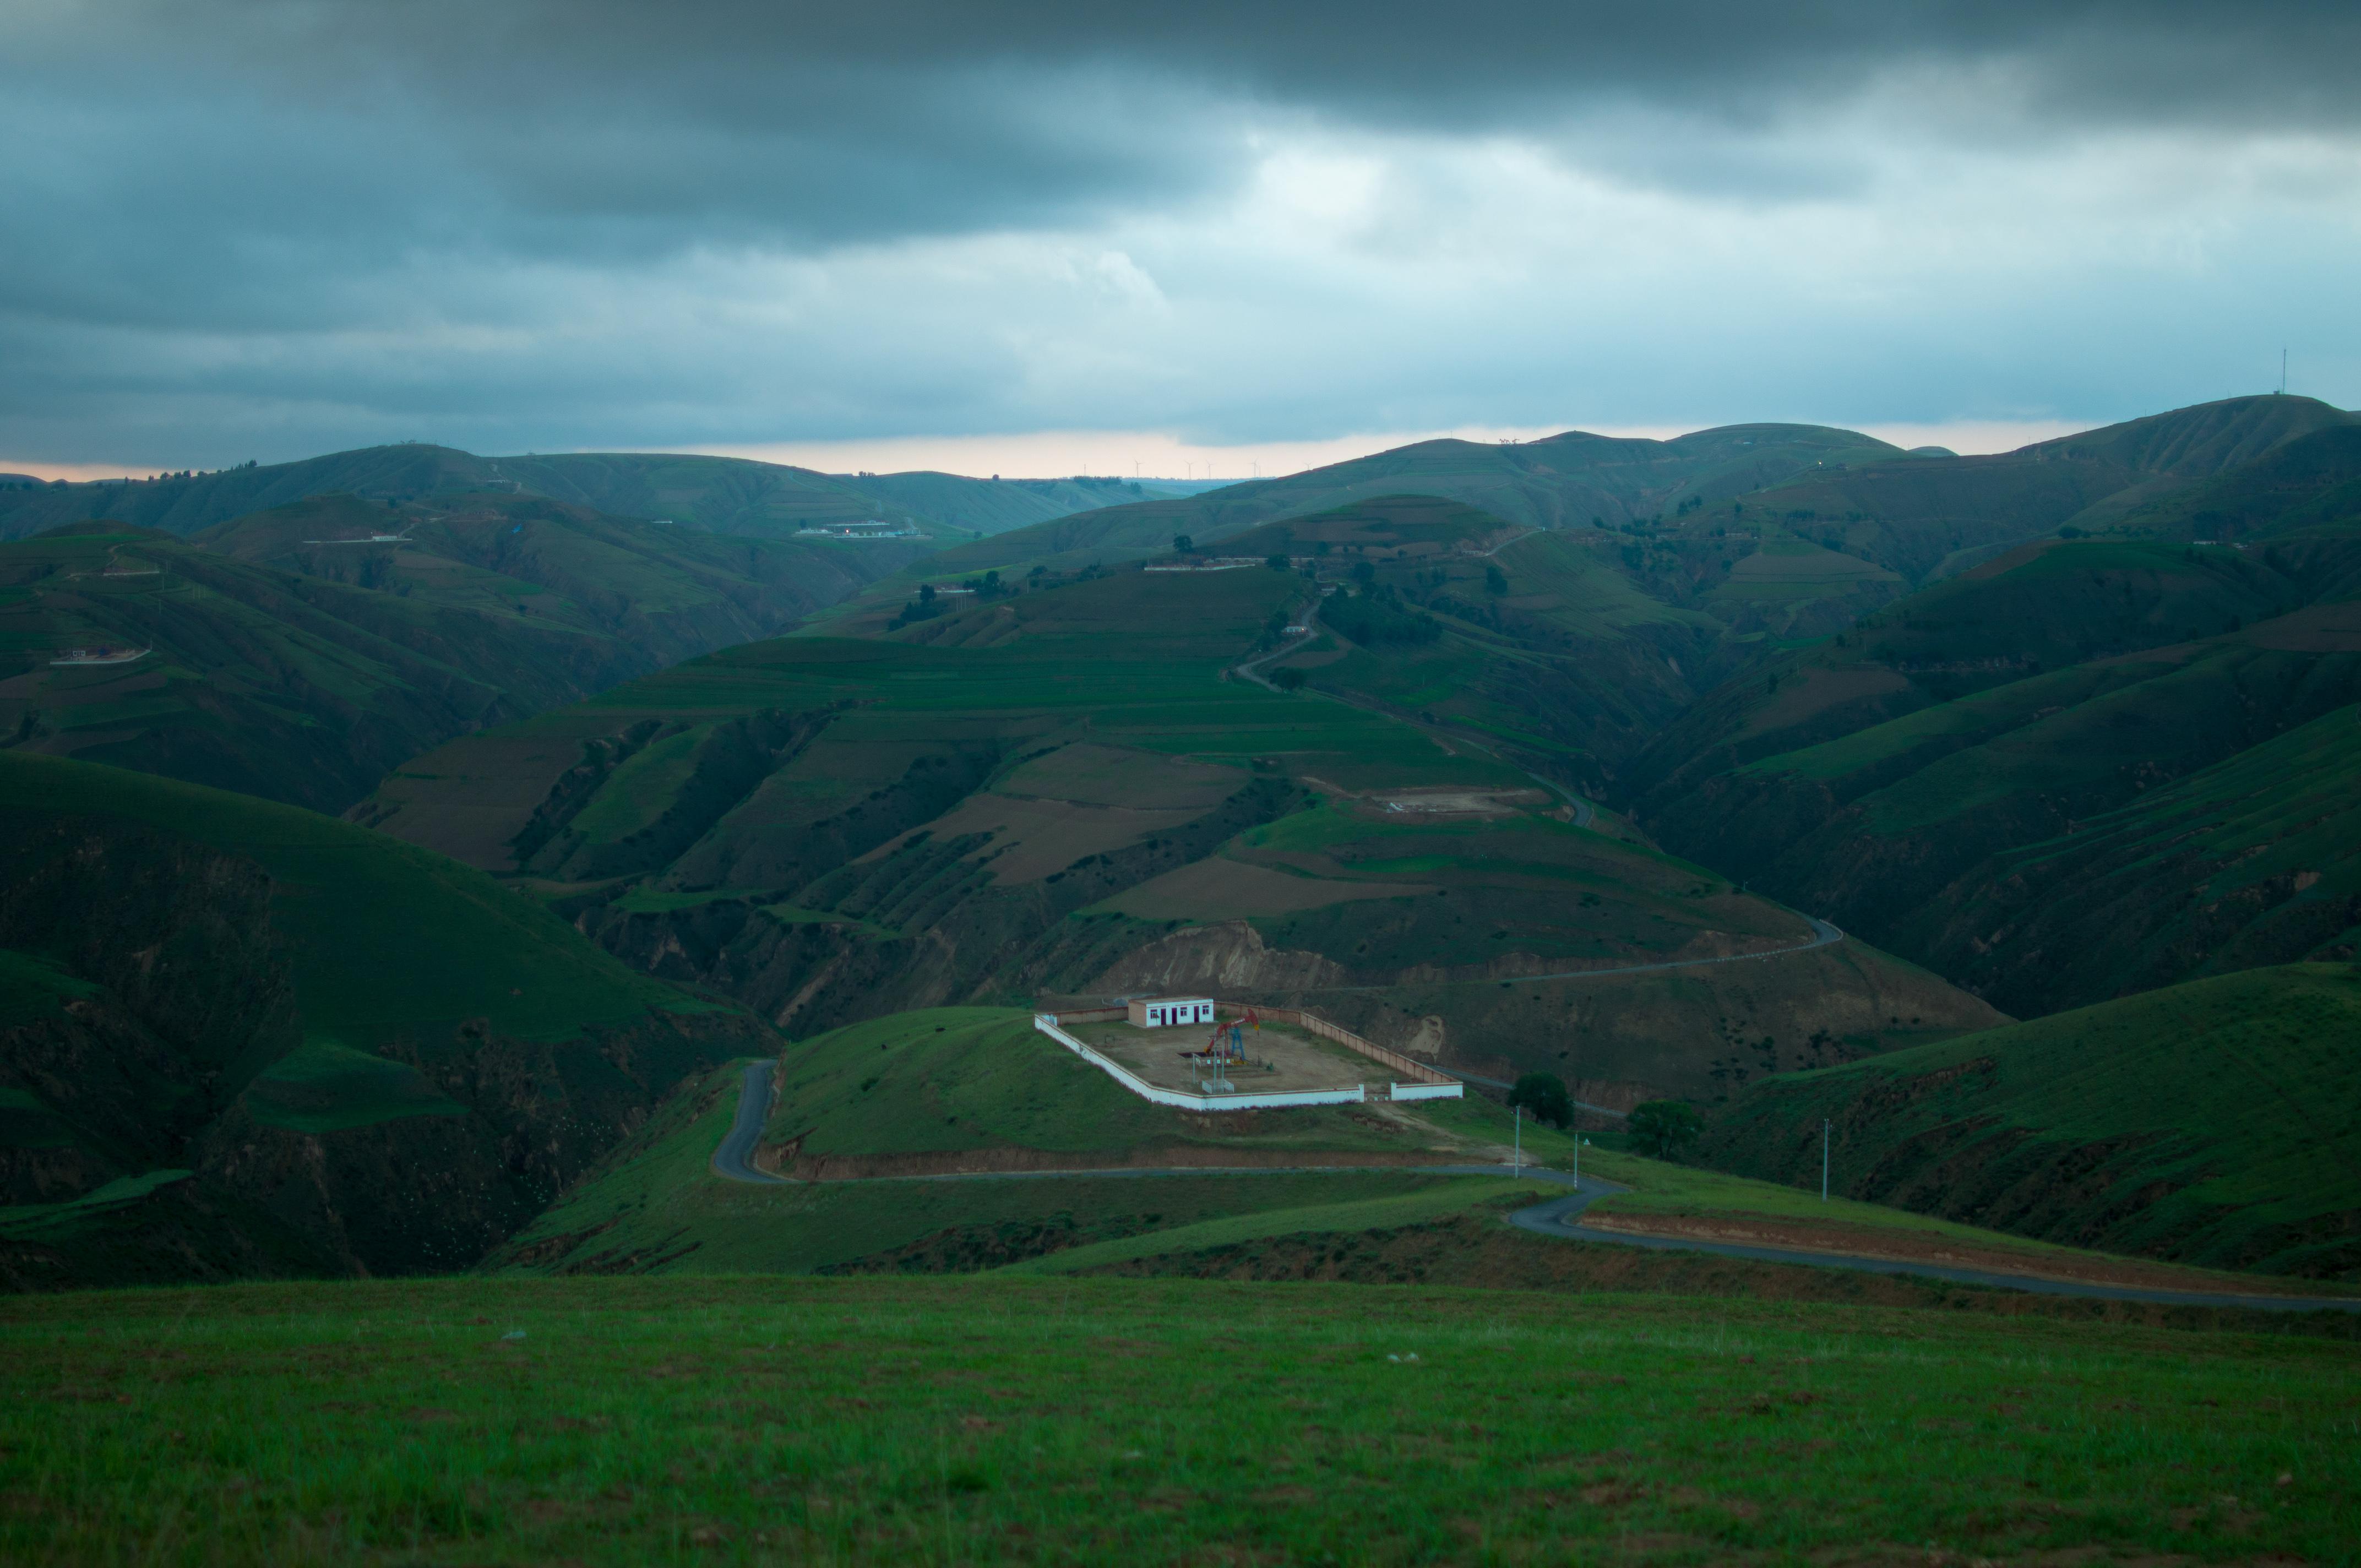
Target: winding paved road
(1556,1217)
(1251,666)
(731,1160)
(1560,1217)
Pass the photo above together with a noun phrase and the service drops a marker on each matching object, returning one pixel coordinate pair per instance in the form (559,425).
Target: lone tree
(1183,543)
(1663,1127)
(1275,561)
(1543,1096)
(1287,680)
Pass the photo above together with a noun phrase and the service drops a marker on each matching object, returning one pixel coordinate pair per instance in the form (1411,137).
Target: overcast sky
(1043,238)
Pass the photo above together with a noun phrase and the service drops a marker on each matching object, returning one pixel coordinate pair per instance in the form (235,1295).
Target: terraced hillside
(2216,1122)
(1569,650)
(302,671)
(1056,791)
(241,1038)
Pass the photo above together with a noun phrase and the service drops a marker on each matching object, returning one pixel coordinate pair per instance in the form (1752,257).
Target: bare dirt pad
(1479,1250)
(1170,1156)
(1904,1246)
(1219,889)
(1455,802)
(1296,1061)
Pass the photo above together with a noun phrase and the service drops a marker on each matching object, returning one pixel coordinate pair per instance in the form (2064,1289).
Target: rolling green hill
(2249,862)
(1055,790)
(2042,607)
(1912,514)
(320,1049)
(1571,650)
(302,671)
(2216,1122)
(1574,480)
(1926,778)
(977,1090)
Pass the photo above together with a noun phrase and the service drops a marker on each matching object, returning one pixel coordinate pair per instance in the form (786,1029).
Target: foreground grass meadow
(742,1419)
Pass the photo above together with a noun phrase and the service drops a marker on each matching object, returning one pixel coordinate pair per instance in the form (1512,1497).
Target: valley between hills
(405,848)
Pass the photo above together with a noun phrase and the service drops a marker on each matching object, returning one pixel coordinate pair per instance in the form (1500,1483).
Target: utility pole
(1824,1159)
(1520,1167)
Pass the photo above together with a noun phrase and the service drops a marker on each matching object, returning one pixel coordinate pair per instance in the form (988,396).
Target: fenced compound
(1243,1099)
(1417,1080)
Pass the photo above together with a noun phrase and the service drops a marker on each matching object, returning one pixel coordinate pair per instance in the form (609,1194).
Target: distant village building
(1162,1012)
(868,528)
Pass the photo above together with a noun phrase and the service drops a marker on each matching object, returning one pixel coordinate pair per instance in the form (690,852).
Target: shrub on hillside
(1376,616)
(1663,1127)
(1544,1098)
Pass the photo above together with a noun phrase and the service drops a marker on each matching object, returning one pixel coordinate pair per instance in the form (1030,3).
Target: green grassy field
(2211,1122)
(1034,1420)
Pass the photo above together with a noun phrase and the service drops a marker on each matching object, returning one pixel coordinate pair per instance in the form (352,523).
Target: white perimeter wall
(1048,1024)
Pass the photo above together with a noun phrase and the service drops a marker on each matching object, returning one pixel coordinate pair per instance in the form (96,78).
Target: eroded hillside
(1056,791)
(238,1037)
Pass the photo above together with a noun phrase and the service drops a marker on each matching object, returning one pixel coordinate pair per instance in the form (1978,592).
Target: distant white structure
(868,528)
(1163,1012)
(1216,564)
(100,655)
(365,539)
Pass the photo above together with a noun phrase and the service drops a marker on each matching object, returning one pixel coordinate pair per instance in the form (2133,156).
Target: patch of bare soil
(1189,1157)
(1454,802)
(1910,1246)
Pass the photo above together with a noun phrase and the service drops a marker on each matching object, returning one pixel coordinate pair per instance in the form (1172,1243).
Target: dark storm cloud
(302,223)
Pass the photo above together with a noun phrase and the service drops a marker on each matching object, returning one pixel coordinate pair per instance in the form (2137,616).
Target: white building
(1161,1011)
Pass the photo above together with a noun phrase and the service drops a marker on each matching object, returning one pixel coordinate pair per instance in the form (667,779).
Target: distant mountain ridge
(728,495)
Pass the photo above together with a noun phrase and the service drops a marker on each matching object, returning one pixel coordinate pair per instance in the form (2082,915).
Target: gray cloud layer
(277,225)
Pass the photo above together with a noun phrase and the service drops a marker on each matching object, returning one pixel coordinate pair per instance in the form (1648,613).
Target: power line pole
(1520,1167)
(1824,1159)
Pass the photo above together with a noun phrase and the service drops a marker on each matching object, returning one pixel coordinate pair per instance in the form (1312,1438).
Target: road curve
(731,1160)
(1559,1218)
(1250,667)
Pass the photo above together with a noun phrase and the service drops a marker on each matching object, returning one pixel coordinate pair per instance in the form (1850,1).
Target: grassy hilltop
(888,1114)
(2216,1122)
(1056,790)
(240,1038)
